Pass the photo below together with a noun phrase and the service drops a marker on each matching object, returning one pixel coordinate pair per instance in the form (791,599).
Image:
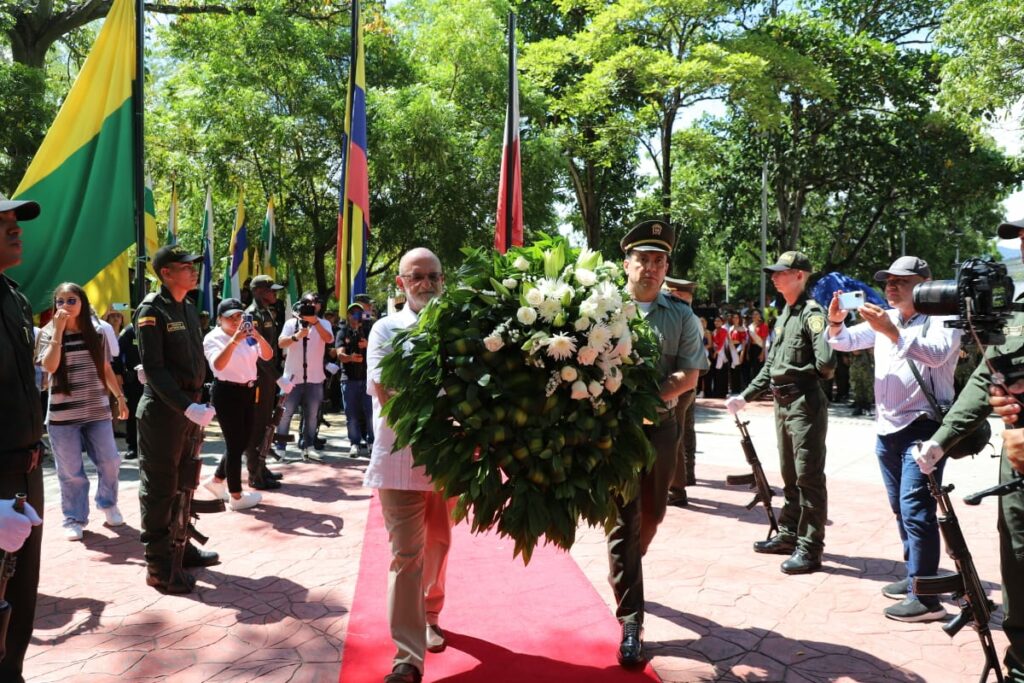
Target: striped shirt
(87,398)
(934,349)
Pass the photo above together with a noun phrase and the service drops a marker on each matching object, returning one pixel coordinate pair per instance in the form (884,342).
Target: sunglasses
(70,301)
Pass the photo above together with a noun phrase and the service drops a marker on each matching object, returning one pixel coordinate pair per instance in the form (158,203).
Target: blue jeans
(97,438)
(910,499)
(310,395)
(358,412)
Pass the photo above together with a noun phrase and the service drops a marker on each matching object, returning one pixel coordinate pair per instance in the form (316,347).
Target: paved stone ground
(276,607)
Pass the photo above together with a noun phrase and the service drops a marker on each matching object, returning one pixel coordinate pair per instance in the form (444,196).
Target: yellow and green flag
(82,175)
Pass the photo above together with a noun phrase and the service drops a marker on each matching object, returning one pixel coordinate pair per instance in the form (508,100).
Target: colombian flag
(354,192)
(82,177)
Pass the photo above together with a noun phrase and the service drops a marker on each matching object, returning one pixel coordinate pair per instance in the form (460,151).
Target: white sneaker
(113,516)
(354,449)
(247,500)
(73,532)
(218,488)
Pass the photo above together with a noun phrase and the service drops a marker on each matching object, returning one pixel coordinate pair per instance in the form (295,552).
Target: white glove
(927,455)
(15,527)
(200,413)
(140,372)
(332,368)
(735,404)
(285,385)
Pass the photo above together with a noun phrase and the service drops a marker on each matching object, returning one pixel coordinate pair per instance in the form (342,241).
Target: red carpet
(505,622)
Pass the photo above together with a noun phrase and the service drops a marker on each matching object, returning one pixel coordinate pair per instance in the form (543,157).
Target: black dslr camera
(981,298)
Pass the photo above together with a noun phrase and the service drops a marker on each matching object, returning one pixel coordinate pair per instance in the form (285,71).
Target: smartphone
(851,301)
(247,327)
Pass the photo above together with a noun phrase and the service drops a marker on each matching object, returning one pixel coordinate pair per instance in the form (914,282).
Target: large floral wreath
(523,389)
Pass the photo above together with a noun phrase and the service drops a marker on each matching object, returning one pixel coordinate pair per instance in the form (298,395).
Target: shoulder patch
(147,320)
(816,323)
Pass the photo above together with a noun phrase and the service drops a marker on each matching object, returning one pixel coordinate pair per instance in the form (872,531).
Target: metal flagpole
(139,170)
(510,180)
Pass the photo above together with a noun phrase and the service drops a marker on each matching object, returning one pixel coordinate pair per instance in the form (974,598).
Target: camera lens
(939,297)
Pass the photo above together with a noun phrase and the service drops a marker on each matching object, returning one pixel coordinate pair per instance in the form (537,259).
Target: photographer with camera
(350,349)
(305,338)
(264,319)
(991,294)
(907,345)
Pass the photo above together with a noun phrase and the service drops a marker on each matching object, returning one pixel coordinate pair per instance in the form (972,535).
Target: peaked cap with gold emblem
(790,260)
(649,236)
(173,253)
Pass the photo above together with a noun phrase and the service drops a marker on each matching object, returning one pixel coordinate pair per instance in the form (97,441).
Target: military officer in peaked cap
(799,358)
(647,248)
(170,417)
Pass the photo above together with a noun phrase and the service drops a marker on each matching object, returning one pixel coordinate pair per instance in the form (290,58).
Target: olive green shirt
(972,406)
(264,320)
(679,334)
(19,398)
(801,352)
(171,347)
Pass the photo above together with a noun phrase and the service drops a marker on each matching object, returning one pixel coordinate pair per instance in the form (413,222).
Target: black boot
(801,562)
(194,557)
(267,474)
(160,577)
(779,545)
(262,483)
(631,648)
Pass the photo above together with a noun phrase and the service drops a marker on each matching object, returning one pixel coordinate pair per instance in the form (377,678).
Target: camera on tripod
(981,298)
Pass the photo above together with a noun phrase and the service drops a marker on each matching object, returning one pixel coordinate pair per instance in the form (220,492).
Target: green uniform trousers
(686,451)
(637,522)
(801,427)
(22,588)
(165,462)
(1011,558)
(266,398)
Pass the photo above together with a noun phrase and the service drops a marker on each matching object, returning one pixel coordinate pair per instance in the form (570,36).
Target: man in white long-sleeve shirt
(417,517)
(900,337)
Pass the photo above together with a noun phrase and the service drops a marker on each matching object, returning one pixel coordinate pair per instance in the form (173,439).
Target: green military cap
(173,253)
(791,260)
(649,236)
(264,281)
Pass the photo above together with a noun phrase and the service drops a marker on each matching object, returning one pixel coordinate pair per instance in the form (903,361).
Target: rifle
(7,567)
(184,509)
(755,480)
(965,585)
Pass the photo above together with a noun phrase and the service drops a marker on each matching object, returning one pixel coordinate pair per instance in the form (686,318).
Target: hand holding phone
(851,301)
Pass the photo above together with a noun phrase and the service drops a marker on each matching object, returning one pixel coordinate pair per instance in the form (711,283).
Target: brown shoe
(435,639)
(404,673)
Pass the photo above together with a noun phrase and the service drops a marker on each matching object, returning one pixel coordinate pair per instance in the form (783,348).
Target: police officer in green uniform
(169,415)
(799,358)
(972,406)
(264,318)
(686,451)
(20,436)
(647,248)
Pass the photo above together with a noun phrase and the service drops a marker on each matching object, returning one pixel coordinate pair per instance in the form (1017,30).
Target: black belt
(241,385)
(21,461)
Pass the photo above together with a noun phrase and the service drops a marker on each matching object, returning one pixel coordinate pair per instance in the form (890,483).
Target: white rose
(582,324)
(535,297)
(579,390)
(526,315)
(612,383)
(586,278)
(589,309)
(569,373)
(619,327)
(595,388)
(587,355)
(521,264)
(493,342)
(510,283)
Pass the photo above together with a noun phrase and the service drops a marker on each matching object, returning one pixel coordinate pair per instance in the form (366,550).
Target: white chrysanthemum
(564,292)
(569,373)
(526,315)
(579,390)
(510,283)
(535,297)
(561,346)
(550,309)
(588,308)
(587,355)
(493,342)
(599,335)
(581,324)
(521,264)
(595,388)
(619,327)
(586,278)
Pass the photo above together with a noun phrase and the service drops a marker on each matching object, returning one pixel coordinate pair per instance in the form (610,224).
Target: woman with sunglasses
(75,355)
(232,349)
